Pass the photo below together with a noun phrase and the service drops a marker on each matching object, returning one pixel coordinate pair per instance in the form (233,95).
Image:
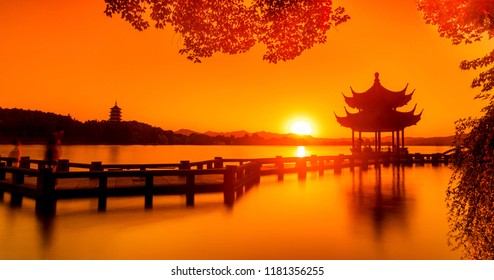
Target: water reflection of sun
(301,151)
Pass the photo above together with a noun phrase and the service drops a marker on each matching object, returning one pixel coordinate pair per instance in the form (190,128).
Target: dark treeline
(35,126)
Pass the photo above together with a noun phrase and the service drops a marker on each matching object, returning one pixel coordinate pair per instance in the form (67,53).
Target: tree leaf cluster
(465,21)
(285,27)
(470,194)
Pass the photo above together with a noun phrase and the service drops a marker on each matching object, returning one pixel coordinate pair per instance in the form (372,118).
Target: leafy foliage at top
(460,20)
(465,21)
(470,195)
(286,27)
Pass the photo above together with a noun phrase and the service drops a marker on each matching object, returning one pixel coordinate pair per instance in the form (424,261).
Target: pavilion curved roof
(378,97)
(384,121)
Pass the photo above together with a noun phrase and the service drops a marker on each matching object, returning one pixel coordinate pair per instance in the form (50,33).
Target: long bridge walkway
(34,180)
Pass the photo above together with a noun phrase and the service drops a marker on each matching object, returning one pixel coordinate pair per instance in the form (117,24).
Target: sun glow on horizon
(301,128)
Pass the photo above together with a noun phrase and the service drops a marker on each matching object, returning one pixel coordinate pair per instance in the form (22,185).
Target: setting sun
(301,128)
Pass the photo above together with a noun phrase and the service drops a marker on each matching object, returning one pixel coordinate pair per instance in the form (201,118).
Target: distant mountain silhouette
(237,134)
(185,132)
(30,126)
(413,141)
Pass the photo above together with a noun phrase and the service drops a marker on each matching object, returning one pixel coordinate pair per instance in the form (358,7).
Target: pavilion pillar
(361,142)
(397,142)
(353,140)
(375,141)
(403,138)
(379,141)
(393,141)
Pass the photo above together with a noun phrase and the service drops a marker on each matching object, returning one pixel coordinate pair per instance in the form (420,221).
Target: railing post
(301,168)
(420,158)
(254,175)
(321,167)
(446,159)
(25,162)
(102,195)
(148,196)
(337,164)
(184,165)
(17,179)
(63,165)
(279,165)
(46,202)
(352,163)
(313,162)
(435,159)
(218,162)
(240,174)
(258,172)
(2,172)
(250,173)
(190,189)
(229,185)
(2,177)
(96,166)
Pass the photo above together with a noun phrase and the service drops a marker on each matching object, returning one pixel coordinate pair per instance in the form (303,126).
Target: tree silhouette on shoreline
(470,194)
(285,27)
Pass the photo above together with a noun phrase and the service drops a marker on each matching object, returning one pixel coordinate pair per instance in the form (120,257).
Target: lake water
(383,213)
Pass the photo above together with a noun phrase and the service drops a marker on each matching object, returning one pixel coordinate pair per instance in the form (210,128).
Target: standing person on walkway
(16,153)
(52,152)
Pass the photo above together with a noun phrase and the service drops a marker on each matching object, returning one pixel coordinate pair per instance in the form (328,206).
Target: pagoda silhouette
(377,113)
(115,113)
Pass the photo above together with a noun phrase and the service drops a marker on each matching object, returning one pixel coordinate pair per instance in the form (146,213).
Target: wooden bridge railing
(237,176)
(235,179)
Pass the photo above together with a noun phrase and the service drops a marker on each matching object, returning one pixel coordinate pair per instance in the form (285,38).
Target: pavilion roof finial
(376,75)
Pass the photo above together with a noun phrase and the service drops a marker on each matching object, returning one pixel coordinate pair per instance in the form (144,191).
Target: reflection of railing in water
(228,176)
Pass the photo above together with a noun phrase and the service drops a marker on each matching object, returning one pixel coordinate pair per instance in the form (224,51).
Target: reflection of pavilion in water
(382,202)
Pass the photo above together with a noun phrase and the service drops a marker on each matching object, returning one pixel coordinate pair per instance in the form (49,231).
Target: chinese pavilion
(377,113)
(115,113)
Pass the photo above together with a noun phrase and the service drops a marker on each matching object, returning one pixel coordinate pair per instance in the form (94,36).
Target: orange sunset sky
(67,57)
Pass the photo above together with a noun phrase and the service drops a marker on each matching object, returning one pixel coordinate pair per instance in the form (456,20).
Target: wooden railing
(33,179)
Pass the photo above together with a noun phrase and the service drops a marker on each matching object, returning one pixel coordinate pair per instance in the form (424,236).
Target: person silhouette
(16,153)
(52,152)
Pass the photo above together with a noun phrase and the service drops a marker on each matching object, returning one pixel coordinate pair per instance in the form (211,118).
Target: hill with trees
(30,126)
(35,127)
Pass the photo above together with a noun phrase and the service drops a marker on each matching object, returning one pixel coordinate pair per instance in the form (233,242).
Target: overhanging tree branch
(285,27)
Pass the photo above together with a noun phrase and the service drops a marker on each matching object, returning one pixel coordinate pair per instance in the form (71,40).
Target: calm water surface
(386,213)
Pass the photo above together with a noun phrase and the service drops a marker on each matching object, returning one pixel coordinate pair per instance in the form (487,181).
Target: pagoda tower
(377,113)
(115,113)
